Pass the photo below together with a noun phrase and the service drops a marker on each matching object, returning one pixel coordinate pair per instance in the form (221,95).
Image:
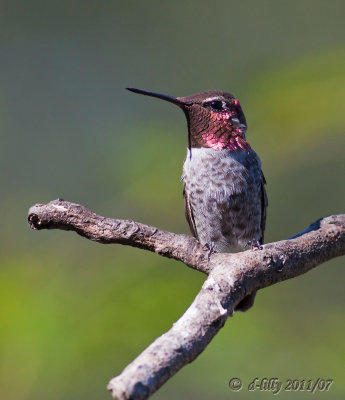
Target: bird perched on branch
(223,184)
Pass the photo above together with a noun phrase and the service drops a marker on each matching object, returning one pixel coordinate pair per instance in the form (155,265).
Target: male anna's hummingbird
(223,185)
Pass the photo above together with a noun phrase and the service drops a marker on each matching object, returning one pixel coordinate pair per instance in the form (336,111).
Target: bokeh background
(75,313)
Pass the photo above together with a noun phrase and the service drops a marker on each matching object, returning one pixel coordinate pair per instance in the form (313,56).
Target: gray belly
(224,190)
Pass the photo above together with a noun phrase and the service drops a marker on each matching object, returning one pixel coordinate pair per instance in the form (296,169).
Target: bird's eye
(215,105)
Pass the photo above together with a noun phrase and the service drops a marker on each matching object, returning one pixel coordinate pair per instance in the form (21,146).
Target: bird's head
(215,119)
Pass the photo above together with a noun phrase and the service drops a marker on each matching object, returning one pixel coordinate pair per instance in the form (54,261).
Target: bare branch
(60,214)
(230,278)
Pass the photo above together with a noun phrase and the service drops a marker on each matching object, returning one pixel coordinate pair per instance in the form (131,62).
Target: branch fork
(230,277)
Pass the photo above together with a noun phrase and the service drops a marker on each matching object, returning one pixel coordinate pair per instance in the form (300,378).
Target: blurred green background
(75,313)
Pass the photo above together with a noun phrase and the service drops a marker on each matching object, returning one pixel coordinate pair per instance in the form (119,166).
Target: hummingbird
(223,184)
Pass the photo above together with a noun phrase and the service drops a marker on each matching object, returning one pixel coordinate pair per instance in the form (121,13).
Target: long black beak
(170,99)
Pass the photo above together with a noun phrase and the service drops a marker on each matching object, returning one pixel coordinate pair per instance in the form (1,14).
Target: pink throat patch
(222,134)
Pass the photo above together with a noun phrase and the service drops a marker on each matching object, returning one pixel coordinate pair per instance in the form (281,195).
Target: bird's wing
(189,213)
(264,205)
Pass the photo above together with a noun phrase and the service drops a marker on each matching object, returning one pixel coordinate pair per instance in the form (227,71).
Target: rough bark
(230,278)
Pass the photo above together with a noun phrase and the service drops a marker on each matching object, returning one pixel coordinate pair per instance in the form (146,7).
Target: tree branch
(60,214)
(230,278)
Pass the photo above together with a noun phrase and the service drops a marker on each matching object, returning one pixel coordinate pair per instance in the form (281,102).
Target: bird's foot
(210,248)
(254,244)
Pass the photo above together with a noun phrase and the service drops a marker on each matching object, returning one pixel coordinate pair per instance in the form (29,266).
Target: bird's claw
(254,245)
(210,247)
